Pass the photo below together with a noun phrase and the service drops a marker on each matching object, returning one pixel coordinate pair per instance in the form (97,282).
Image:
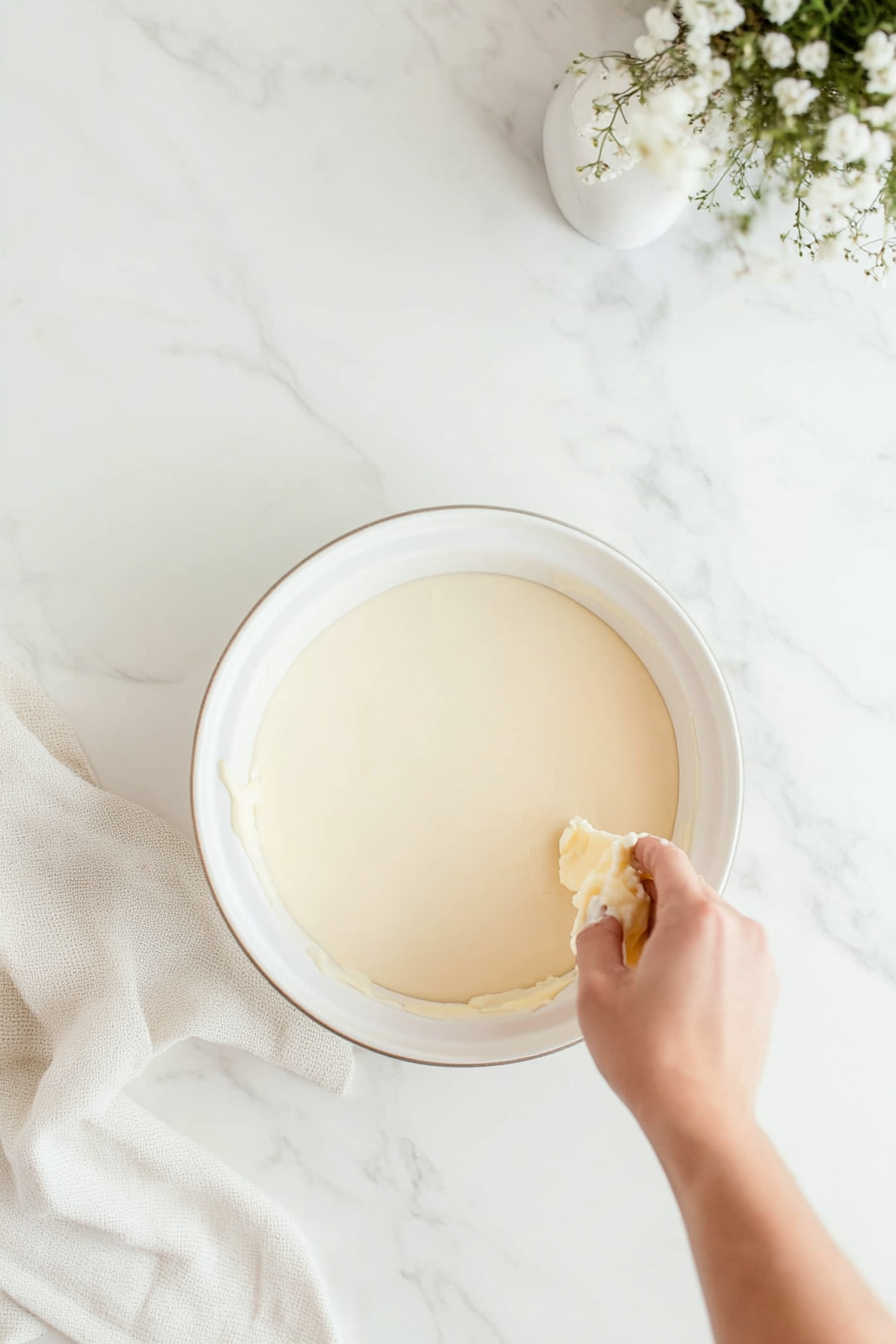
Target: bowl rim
(353,532)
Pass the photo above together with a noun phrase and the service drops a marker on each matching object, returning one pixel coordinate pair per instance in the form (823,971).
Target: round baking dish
(352,570)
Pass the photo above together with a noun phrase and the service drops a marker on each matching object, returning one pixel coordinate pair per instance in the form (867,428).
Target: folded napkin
(113,1228)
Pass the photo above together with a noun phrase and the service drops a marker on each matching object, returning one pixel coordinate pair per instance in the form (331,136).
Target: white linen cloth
(113,1228)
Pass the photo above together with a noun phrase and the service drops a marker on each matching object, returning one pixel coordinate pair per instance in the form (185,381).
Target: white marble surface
(271,271)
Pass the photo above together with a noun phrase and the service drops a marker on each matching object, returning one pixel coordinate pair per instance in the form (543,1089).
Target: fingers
(599,948)
(674,877)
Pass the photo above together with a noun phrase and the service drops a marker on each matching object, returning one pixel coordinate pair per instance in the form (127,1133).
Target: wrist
(691,1140)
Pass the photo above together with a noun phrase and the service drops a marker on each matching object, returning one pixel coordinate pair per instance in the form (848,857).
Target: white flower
(880,116)
(777,49)
(697,91)
(883,81)
(825,198)
(646,47)
(814,57)
(717,132)
(864,191)
(726,14)
(717,73)
(830,198)
(878,52)
(794,96)
(879,151)
(661,24)
(672,103)
(665,144)
(712,16)
(696,40)
(779,11)
(847,140)
(700,53)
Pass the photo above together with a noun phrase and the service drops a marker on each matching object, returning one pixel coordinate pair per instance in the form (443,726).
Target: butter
(597,867)
(481,1005)
(243,800)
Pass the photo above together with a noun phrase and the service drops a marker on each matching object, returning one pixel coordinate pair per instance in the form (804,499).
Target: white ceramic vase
(626,211)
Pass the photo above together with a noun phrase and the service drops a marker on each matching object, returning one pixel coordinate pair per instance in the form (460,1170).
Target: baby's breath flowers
(777,49)
(795,97)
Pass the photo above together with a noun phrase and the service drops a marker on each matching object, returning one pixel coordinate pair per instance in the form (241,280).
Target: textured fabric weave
(113,1228)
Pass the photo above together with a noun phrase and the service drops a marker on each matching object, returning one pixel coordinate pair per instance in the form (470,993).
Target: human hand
(681,1037)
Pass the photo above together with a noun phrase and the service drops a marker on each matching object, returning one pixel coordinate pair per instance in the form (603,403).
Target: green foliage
(765,150)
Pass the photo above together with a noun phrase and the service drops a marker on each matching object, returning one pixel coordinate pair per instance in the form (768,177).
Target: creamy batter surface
(418,762)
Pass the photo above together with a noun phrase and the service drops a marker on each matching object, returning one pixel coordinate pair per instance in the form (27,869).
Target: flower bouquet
(794,98)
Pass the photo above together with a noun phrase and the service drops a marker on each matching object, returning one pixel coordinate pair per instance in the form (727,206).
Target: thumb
(674,878)
(599,947)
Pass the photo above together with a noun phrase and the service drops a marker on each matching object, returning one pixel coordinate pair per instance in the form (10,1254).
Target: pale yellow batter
(416,766)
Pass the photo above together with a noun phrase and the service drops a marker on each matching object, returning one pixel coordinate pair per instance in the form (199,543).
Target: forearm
(682,1038)
(769,1271)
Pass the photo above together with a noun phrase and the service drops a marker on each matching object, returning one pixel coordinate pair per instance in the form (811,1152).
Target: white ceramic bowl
(359,566)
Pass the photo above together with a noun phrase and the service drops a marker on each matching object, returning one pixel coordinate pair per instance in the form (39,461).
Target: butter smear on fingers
(597,867)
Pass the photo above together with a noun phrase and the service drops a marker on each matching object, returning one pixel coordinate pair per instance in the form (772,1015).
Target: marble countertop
(270,272)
